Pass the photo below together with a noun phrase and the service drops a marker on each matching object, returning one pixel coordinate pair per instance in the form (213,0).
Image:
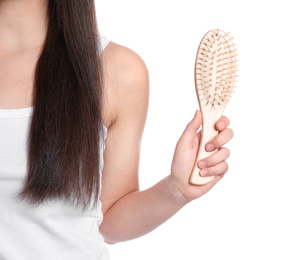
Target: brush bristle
(215,71)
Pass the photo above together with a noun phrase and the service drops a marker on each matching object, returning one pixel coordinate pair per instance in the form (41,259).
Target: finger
(216,170)
(214,159)
(188,135)
(222,123)
(220,140)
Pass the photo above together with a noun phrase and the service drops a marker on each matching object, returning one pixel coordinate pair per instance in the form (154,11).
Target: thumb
(189,134)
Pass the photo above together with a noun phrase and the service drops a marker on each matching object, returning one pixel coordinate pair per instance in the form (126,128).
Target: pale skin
(125,207)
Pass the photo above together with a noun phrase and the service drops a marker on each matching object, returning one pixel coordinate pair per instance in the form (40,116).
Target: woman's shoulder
(125,61)
(126,81)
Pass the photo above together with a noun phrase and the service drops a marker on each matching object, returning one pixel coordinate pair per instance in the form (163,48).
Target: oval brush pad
(215,76)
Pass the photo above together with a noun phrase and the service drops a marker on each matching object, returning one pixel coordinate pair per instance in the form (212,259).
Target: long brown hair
(66,127)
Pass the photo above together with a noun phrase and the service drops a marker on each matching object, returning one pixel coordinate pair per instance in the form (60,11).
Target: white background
(250,213)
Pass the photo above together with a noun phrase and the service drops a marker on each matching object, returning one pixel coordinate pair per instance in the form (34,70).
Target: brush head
(215,69)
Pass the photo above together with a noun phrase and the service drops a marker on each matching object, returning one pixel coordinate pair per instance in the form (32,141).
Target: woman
(65,95)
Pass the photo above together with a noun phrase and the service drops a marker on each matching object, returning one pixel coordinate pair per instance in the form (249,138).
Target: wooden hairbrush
(215,77)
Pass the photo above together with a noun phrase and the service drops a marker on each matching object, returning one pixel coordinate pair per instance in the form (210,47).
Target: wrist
(175,191)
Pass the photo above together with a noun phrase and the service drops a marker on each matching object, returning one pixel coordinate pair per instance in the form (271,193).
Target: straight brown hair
(66,127)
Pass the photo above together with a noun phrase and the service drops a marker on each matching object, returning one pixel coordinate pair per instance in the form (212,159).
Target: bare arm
(128,212)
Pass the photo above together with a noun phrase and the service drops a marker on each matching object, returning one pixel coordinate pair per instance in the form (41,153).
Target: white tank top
(53,231)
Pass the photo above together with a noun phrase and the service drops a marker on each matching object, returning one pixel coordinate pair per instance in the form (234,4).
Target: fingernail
(202,164)
(204,172)
(196,113)
(209,147)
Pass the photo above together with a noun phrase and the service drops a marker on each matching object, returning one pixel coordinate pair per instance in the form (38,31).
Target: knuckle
(231,132)
(226,152)
(225,167)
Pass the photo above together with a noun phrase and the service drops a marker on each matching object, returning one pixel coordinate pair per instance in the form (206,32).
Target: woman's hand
(186,152)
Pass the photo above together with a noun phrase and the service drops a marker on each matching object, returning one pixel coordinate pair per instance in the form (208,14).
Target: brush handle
(210,116)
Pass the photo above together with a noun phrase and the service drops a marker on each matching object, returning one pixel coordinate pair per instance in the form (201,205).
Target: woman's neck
(23,24)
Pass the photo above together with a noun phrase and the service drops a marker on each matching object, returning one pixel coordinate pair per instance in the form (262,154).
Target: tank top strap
(104,41)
